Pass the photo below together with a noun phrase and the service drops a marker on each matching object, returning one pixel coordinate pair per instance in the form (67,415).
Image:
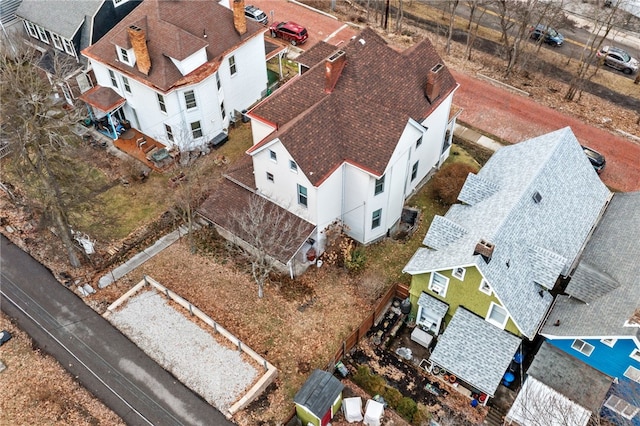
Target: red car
(289,31)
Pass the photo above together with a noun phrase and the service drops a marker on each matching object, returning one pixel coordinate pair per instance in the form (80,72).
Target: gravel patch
(219,374)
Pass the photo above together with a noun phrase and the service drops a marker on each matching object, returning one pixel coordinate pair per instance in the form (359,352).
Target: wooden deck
(146,150)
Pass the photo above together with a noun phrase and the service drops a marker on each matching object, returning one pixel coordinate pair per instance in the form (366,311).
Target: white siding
(191,62)
(260,130)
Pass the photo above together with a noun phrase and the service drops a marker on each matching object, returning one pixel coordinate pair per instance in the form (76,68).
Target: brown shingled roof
(174,29)
(362,119)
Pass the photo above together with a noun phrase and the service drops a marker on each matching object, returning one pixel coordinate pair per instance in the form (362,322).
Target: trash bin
(245,119)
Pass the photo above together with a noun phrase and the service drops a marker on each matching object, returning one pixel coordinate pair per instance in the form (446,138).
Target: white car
(618,59)
(256,14)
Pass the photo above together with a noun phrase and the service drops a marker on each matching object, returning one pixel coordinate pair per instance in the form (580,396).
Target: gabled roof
(476,351)
(604,291)
(360,121)
(570,377)
(174,29)
(534,241)
(60,16)
(319,392)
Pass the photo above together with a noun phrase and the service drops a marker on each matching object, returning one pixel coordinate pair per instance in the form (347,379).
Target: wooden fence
(397,290)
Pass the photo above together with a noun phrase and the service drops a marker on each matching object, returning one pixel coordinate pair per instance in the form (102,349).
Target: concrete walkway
(143,256)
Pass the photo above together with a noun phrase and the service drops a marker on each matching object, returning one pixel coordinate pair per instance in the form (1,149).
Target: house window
(485,287)
(414,171)
(632,373)
(582,347)
(57,41)
(419,141)
(112,76)
(119,2)
(125,83)
(609,342)
(68,47)
(124,56)
(497,315)
(161,104)
(232,65)
(447,141)
(621,407)
(635,355)
(42,34)
(270,177)
(459,273)
(222,110)
(218,81)
(376,218)
(293,166)
(438,284)
(379,186)
(169,131)
(190,99)
(196,130)
(302,195)
(273,155)
(31,29)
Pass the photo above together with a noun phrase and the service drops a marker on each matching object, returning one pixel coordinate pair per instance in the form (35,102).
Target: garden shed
(318,399)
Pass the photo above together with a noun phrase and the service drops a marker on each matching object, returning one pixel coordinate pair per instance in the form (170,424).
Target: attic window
(537,197)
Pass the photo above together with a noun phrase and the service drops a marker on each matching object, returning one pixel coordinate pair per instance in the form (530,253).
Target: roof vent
(537,197)
(484,249)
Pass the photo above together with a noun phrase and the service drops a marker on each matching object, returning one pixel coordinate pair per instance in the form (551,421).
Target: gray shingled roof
(570,377)
(432,304)
(476,351)
(536,239)
(319,392)
(362,119)
(60,16)
(607,277)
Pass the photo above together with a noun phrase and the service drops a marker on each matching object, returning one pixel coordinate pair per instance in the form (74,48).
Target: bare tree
(472,30)
(38,129)
(453,5)
(267,233)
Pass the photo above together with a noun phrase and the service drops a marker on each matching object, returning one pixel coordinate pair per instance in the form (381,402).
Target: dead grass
(32,386)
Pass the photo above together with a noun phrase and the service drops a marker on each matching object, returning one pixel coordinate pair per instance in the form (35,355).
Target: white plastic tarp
(352,408)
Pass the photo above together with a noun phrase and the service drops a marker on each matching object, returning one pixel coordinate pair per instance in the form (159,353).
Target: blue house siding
(611,361)
(629,391)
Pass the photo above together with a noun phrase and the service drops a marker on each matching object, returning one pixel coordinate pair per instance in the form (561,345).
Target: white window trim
(31,29)
(233,65)
(609,342)
(169,132)
(613,402)
(584,345)
(121,52)
(443,292)
(461,276)
(632,373)
(482,289)
(270,177)
(42,34)
(162,104)
(373,218)
(195,101)
(57,41)
(117,3)
(635,354)
(273,156)
(113,79)
(126,84)
(496,323)
(293,166)
(68,47)
(199,128)
(306,196)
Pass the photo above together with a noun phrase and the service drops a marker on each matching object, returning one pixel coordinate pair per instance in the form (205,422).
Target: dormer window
(125,55)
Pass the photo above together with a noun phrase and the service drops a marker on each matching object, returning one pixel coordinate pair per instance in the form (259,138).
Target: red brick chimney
(434,83)
(333,68)
(138,39)
(239,19)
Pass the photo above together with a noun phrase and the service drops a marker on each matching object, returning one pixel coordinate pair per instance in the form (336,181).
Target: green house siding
(459,293)
(306,417)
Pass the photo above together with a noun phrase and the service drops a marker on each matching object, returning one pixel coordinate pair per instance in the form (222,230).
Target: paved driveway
(102,359)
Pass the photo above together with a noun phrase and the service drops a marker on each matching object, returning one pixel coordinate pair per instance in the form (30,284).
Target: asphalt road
(98,355)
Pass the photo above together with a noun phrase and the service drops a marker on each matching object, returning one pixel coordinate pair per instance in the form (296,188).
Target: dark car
(618,59)
(256,14)
(5,336)
(289,31)
(548,34)
(597,160)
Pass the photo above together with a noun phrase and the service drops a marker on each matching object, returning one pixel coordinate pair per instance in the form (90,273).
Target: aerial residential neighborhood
(232,212)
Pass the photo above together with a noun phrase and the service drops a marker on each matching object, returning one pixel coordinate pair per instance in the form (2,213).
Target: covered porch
(104,107)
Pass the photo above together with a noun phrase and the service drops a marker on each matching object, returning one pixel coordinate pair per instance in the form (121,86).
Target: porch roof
(476,351)
(103,98)
(437,307)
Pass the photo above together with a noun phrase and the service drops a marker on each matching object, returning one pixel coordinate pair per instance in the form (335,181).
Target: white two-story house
(178,70)
(354,136)
(346,142)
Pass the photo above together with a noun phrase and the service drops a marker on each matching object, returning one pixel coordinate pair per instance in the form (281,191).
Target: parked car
(5,336)
(550,35)
(289,31)
(256,14)
(618,59)
(597,160)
